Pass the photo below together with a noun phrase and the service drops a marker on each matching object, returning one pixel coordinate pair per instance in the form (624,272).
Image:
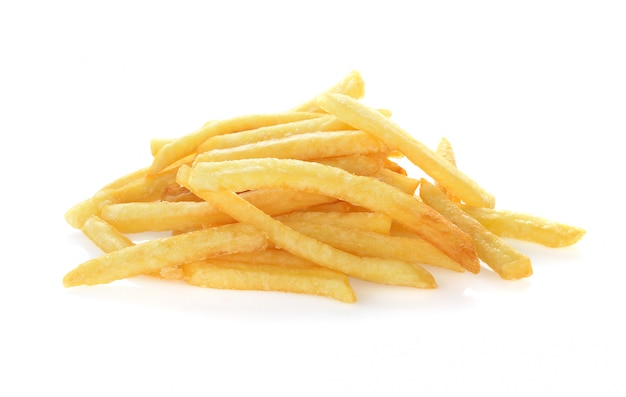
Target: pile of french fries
(302,201)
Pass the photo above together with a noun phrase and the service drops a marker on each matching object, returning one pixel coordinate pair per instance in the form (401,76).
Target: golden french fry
(312,145)
(509,263)
(367,243)
(384,271)
(322,123)
(526,227)
(157,144)
(311,280)
(444,149)
(241,175)
(159,216)
(153,255)
(146,188)
(358,164)
(364,118)
(370,221)
(336,206)
(184,146)
(104,235)
(351,85)
(268,256)
(402,182)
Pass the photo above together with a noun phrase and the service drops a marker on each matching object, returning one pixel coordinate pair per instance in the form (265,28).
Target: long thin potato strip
(241,175)
(159,216)
(368,243)
(509,263)
(312,280)
(155,254)
(526,227)
(367,119)
(188,144)
(322,123)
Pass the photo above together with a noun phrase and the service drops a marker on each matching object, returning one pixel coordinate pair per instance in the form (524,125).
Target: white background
(531,94)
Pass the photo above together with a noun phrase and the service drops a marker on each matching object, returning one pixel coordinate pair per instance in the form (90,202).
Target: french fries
(301,201)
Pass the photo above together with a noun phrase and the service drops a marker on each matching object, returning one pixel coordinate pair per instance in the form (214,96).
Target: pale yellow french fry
(358,164)
(268,256)
(367,192)
(444,149)
(157,144)
(364,118)
(337,206)
(322,123)
(145,188)
(312,145)
(368,221)
(159,216)
(188,144)
(526,227)
(104,235)
(406,184)
(506,261)
(367,243)
(310,280)
(153,255)
(351,85)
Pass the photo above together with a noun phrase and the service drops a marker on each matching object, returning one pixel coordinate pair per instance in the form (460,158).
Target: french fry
(358,164)
(307,146)
(364,118)
(372,244)
(526,227)
(322,123)
(146,188)
(506,261)
(402,182)
(444,149)
(155,254)
(351,85)
(188,144)
(241,175)
(159,216)
(370,221)
(312,280)
(104,235)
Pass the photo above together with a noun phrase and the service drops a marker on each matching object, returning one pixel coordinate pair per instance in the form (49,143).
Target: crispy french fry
(322,123)
(311,280)
(370,221)
(188,144)
(153,255)
(406,184)
(312,145)
(364,118)
(358,164)
(509,263)
(241,175)
(351,85)
(371,269)
(372,244)
(526,227)
(157,144)
(444,149)
(104,235)
(146,188)
(162,216)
